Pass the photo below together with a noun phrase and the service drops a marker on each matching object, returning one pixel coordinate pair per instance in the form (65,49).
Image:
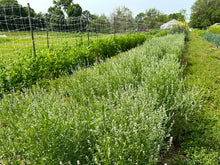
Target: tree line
(65,15)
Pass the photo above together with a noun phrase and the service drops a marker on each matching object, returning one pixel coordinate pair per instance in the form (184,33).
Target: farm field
(160,89)
(83,85)
(121,111)
(17,42)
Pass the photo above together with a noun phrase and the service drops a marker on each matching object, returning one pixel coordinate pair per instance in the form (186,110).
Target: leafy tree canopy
(68,8)
(205,13)
(23,11)
(63,3)
(122,12)
(74,10)
(8,2)
(177,16)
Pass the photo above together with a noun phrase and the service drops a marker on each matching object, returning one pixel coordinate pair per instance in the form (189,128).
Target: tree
(68,7)
(99,24)
(87,14)
(10,10)
(205,13)
(122,19)
(151,18)
(183,12)
(74,10)
(57,18)
(177,16)
(63,4)
(140,17)
(8,2)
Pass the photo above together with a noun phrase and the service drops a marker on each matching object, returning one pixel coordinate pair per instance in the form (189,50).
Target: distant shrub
(199,32)
(214,29)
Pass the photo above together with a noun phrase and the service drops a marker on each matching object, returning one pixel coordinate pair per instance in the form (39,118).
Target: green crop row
(213,38)
(51,63)
(120,111)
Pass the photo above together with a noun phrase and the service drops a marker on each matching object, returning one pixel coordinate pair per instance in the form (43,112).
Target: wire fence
(20,30)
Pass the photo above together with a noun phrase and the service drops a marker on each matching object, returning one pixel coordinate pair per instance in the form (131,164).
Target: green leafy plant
(214,29)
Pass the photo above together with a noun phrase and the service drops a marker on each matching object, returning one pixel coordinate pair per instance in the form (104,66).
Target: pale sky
(108,6)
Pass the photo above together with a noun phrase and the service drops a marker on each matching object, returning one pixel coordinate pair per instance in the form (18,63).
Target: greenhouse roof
(169,24)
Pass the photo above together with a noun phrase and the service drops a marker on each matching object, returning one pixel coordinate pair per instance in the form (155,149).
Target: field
(17,42)
(24,70)
(132,99)
(118,112)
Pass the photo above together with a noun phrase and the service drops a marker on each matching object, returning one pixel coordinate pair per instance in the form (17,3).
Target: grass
(200,136)
(121,111)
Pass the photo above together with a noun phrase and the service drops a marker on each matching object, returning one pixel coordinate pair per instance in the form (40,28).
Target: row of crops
(211,35)
(213,38)
(121,111)
(25,70)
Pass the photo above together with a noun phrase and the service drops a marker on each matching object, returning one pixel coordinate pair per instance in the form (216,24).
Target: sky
(108,6)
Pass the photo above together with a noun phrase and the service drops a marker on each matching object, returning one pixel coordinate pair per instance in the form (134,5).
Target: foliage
(11,9)
(56,18)
(122,19)
(118,112)
(199,32)
(205,13)
(63,3)
(214,29)
(151,17)
(213,38)
(74,10)
(8,2)
(61,9)
(52,63)
(177,16)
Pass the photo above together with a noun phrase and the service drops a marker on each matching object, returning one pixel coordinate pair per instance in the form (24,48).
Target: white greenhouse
(169,24)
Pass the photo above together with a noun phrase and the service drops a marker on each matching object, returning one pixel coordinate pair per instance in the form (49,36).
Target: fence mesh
(52,30)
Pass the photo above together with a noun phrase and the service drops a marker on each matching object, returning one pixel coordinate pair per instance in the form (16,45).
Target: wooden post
(81,27)
(32,34)
(114,27)
(97,28)
(47,34)
(88,27)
